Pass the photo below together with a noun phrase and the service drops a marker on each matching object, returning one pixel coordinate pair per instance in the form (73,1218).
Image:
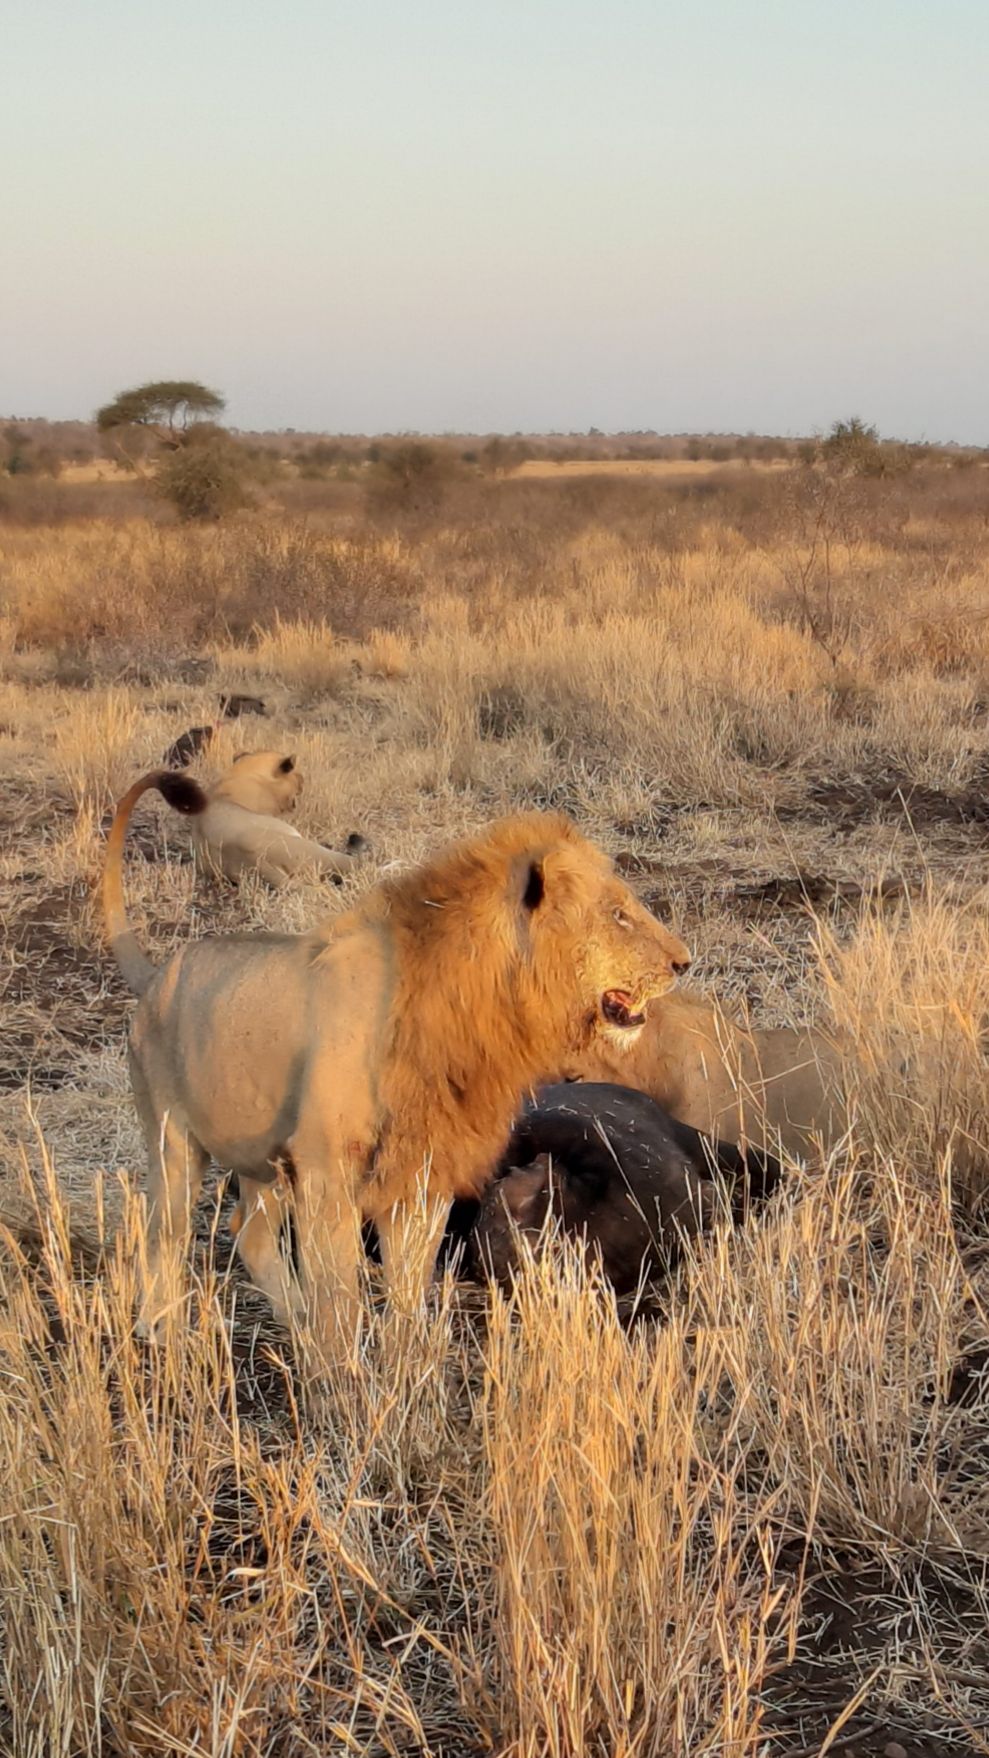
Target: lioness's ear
(534,889)
(286,766)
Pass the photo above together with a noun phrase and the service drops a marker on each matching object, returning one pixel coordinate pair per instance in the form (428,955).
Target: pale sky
(501,214)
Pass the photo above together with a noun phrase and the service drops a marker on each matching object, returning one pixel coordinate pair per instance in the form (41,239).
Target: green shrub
(206,480)
(855,449)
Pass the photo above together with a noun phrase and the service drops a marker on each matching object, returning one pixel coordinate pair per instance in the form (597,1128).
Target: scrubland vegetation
(751,1518)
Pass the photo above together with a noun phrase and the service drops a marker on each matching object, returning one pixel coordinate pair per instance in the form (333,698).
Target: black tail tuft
(181,792)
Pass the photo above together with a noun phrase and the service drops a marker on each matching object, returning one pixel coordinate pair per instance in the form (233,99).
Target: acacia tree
(168,409)
(203,468)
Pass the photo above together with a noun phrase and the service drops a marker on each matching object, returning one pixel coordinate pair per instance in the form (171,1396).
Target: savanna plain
(750,1517)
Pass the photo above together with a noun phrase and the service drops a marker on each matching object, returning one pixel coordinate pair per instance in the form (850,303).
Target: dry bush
(304,655)
(411,478)
(207,479)
(942,627)
(385,654)
(139,583)
(283,570)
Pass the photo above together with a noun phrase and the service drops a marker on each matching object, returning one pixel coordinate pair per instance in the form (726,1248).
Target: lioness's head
(260,781)
(531,918)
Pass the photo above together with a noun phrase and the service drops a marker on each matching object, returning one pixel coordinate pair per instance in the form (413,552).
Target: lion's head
(528,926)
(260,781)
(628,960)
(580,912)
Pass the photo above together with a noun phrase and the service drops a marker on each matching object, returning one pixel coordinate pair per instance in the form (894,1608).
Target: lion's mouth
(617,1009)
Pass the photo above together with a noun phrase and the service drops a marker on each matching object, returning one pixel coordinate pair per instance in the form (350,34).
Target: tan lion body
(371,1069)
(771,1086)
(237,827)
(234,842)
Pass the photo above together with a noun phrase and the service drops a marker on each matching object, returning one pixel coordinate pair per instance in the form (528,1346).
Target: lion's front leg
(410,1234)
(330,1252)
(258,1226)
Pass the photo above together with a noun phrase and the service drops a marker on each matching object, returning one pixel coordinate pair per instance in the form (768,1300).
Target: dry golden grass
(758,1514)
(95,470)
(134,588)
(666,469)
(385,654)
(304,655)
(539,1534)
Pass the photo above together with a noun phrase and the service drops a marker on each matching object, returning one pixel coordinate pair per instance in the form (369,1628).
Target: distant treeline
(31,445)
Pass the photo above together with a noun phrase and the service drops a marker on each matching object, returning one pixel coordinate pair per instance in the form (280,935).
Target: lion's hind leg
(332,861)
(176,1164)
(269,870)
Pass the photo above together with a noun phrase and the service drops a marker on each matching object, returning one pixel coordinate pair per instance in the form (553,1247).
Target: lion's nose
(679,969)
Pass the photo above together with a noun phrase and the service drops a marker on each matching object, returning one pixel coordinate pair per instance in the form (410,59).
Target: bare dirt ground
(752,1520)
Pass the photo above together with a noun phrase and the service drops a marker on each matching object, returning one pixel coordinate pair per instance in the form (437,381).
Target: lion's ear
(286,766)
(534,888)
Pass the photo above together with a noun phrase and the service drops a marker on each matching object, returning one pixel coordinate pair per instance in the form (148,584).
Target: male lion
(236,827)
(371,1069)
(771,1086)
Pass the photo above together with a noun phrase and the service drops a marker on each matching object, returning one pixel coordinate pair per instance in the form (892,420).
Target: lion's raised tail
(184,795)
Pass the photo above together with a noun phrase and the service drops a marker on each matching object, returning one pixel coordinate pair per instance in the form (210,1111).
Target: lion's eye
(622,919)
